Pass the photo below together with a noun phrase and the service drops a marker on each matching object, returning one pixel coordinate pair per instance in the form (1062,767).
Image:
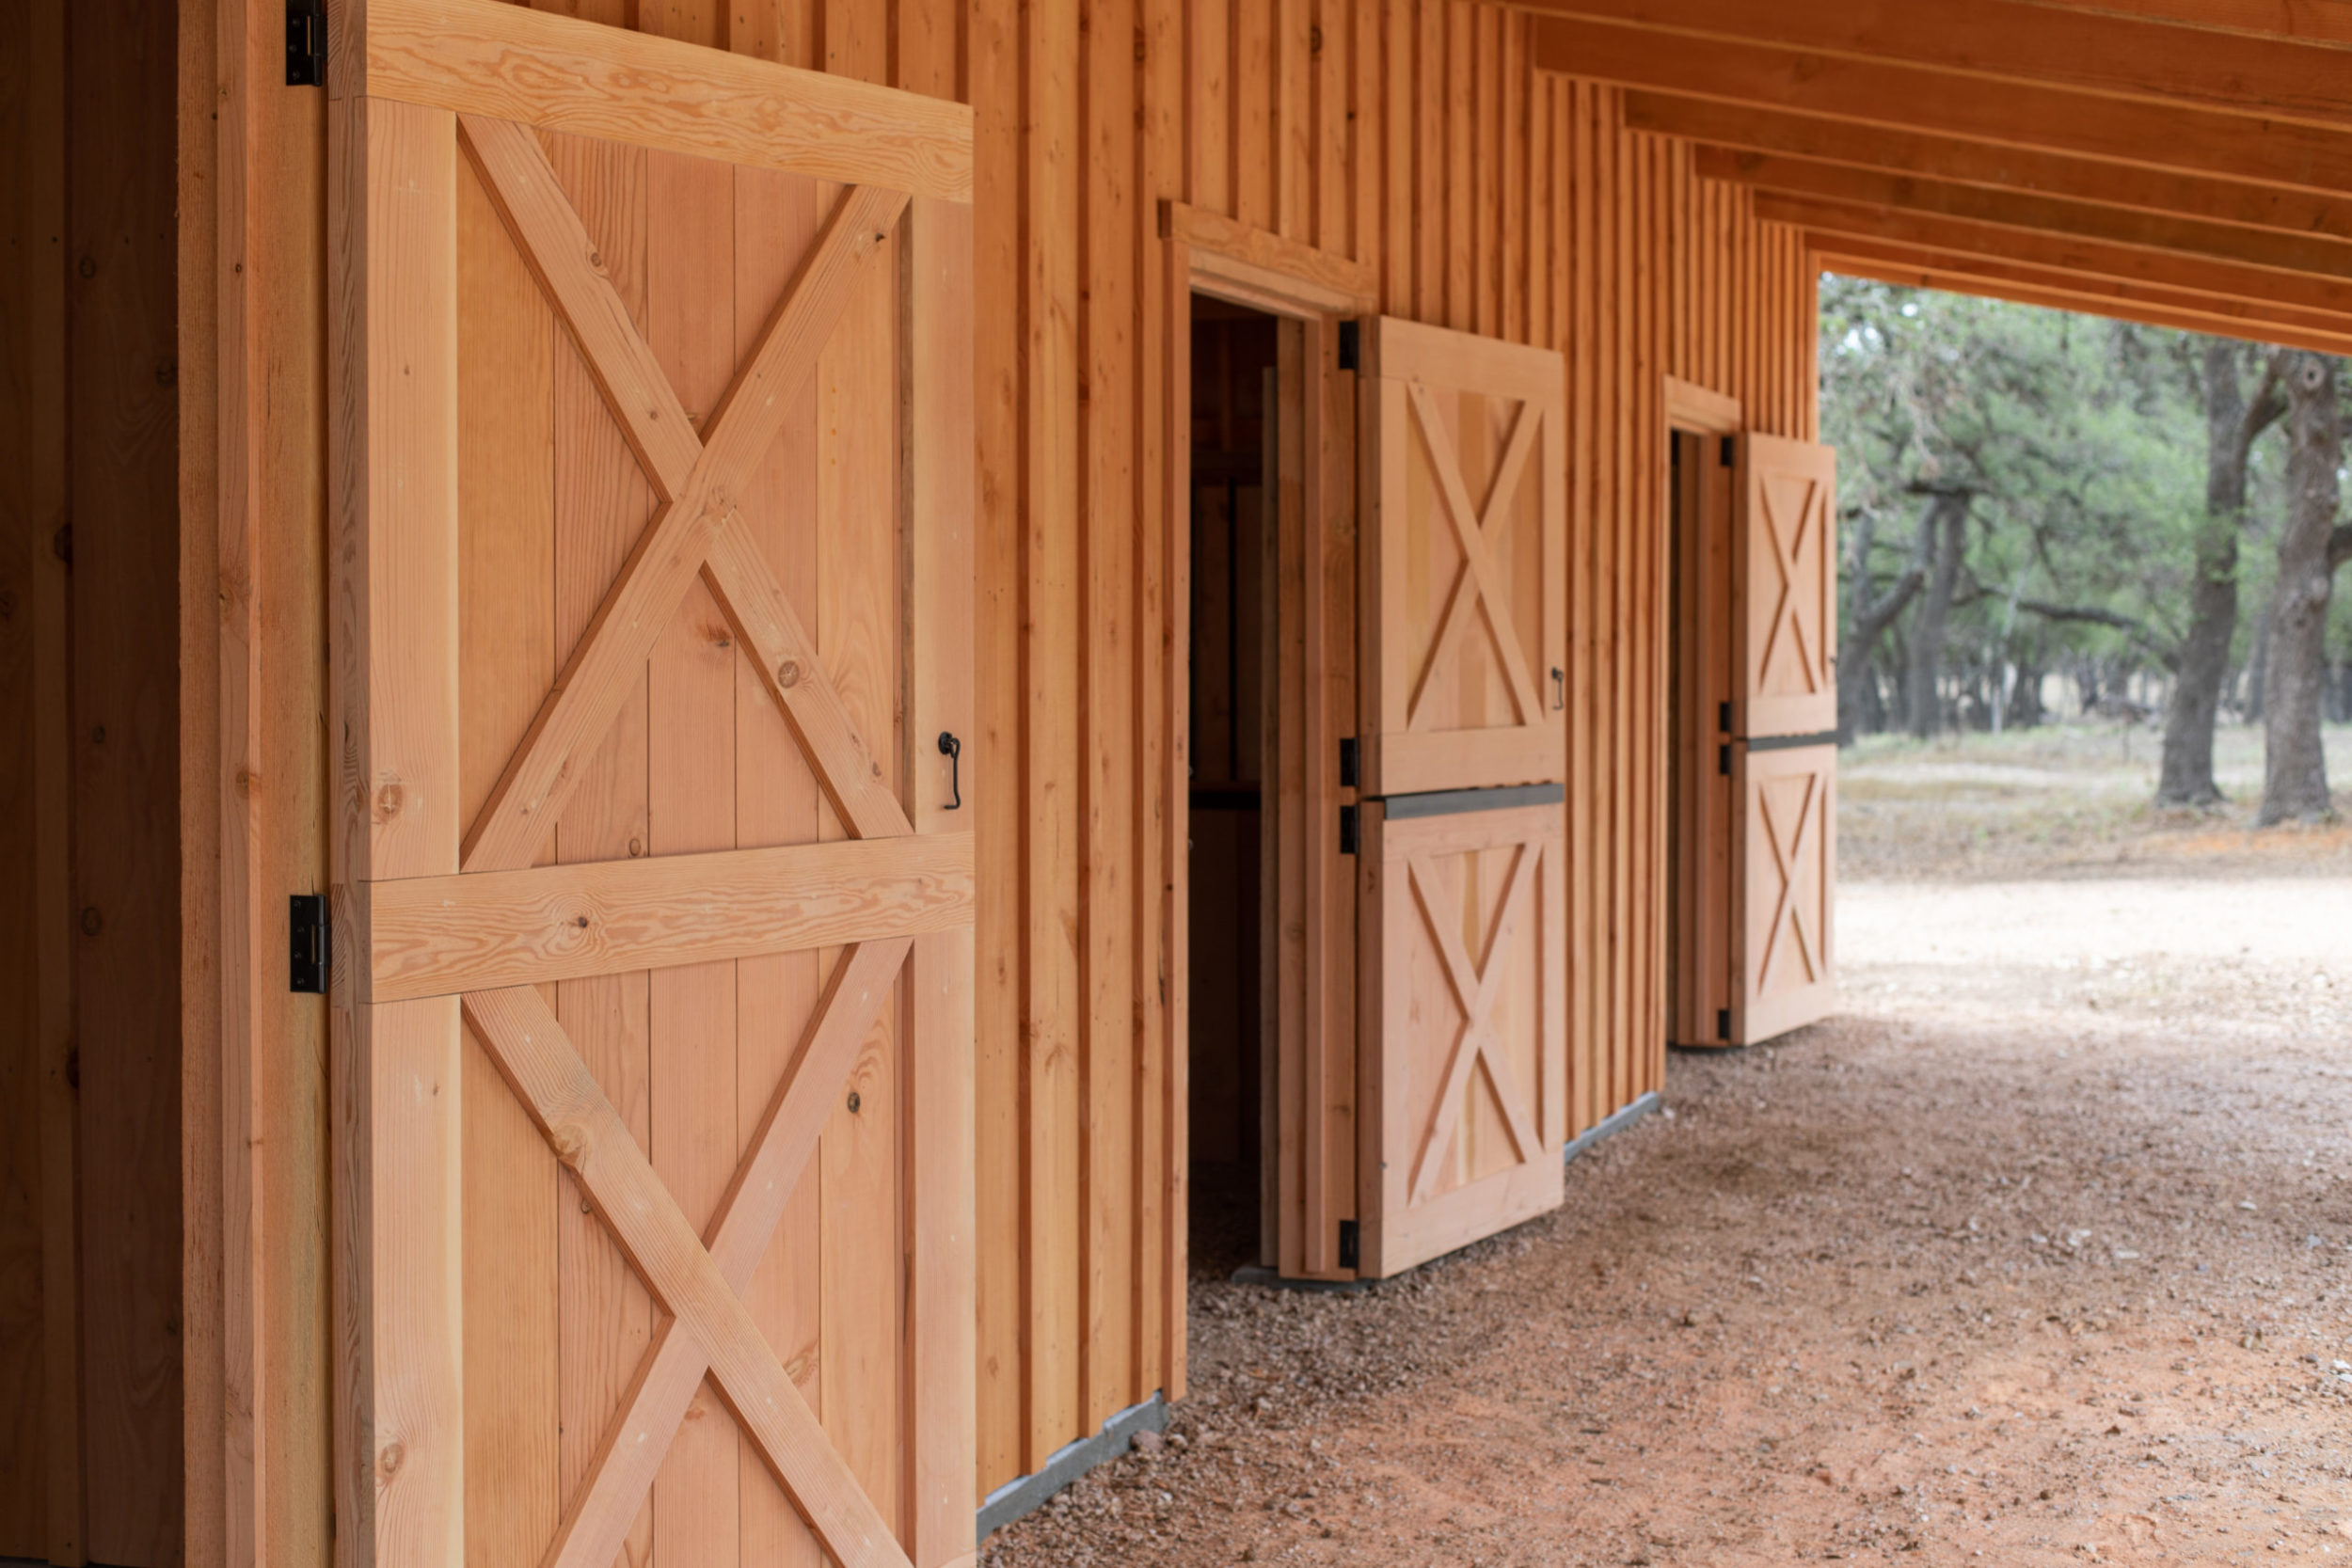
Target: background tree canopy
(2068,455)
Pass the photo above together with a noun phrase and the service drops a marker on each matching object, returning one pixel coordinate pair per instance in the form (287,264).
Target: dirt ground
(2040,1252)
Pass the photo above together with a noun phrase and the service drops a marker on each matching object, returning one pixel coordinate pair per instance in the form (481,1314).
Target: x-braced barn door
(1785,727)
(1462,953)
(651,613)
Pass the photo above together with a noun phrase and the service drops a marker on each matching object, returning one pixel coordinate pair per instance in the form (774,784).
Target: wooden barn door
(651,599)
(1784,723)
(1462,950)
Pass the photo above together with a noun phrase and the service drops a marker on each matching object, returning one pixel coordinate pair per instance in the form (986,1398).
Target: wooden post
(393,721)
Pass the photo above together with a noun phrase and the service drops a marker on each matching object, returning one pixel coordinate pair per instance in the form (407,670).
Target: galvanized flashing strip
(1448,803)
(1026,1493)
(1610,1125)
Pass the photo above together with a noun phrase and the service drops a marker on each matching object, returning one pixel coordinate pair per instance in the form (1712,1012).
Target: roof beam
(1993,278)
(2322,23)
(2150,135)
(1975,163)
(2118,56)
(2254,247)
(2062,252)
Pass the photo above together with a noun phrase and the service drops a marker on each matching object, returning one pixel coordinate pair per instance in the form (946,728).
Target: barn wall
(1413,134)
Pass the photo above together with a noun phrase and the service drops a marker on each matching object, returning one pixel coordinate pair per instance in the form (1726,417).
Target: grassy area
(2068,800)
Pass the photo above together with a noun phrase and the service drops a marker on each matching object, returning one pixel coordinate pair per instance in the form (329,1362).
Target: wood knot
(854,1103)
(388,1460)
(580,921)
(788,673)
(388,802)
(565,1140)
(92,922)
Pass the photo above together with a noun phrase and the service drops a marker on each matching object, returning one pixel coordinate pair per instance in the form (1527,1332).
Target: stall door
(1785,724)
(651,618)
(1463,952)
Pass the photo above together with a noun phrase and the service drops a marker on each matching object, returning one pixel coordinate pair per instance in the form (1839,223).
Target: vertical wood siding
(1412,135)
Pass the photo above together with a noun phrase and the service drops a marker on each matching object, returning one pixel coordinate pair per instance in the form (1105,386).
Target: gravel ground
(2039,1253)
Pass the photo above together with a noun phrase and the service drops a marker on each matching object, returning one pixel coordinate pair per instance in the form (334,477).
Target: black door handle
(952,749)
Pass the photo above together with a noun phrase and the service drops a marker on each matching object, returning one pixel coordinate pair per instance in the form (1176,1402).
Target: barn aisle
(2043,1246)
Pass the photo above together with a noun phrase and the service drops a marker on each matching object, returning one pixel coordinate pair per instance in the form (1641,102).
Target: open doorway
(1234,494)
(1698,968)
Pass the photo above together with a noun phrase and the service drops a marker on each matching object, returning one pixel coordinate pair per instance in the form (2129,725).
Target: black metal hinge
(1348,830)
(306,43)
(1350,1248)
(1722,1024)
(1348,765)
(310,943)
(1722,761)
(1731,452)
(1351,345)
(1723,717)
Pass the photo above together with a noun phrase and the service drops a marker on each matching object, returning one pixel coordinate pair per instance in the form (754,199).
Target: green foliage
(2081,441)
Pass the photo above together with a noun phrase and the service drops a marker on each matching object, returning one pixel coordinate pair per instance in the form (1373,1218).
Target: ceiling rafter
(2028,209)
(2111,54)
(1906,96)
(1957,161)
(2060,252)
(1999,278)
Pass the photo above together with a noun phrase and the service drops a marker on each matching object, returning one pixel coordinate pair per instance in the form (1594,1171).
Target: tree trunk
(1866,621)
(2185,776)
(1946,531)
(2258,667)
(2295,767)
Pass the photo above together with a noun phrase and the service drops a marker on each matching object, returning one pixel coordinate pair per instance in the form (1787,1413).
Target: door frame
(1694,410)
(1312,994)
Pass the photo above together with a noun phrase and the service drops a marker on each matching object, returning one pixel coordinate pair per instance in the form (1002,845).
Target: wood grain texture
(1270,263)
(398,1258)
(440,935)
(513,63)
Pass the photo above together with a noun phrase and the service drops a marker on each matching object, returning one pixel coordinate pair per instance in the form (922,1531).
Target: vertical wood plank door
(1462,950)
(1784,613)
(1464,646)
(652,641)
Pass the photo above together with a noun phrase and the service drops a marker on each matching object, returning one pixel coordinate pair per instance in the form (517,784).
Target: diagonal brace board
(1475,989)
(708,1321)
(1785,612)
(700,481)
(1479,564)
(1788,907)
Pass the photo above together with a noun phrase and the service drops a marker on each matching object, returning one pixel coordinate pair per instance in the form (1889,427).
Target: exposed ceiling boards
(2169,160)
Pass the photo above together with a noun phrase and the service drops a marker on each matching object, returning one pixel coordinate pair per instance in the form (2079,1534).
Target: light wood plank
(593,1142)
(690,528)
(434,936)
(599,1522)
(940,1380)
(513,63)
(1309,278)
(398,1258)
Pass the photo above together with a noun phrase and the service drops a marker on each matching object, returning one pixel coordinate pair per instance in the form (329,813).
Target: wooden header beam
(1975,163)
(2008,209)
(2060,252)
(1995,278)
(1904,97)
(2115,54)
